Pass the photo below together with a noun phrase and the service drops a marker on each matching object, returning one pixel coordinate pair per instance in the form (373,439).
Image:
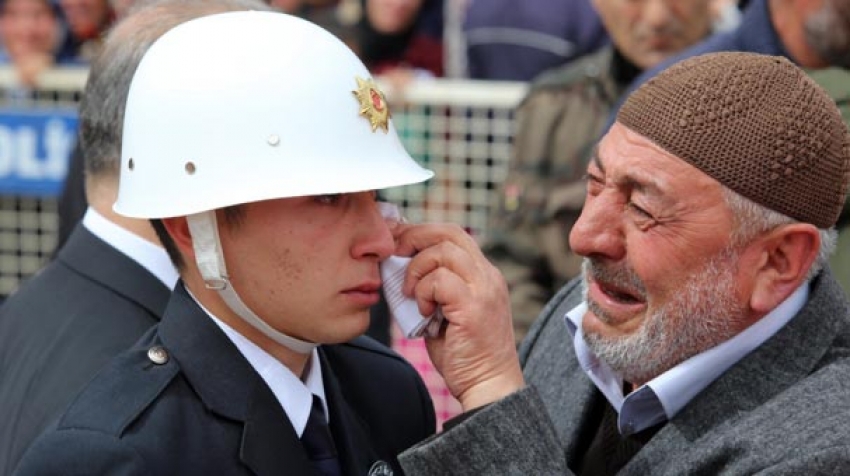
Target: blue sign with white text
(35,148)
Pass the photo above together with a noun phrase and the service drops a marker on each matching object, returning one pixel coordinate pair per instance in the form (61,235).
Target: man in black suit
(112,279)
(265,140)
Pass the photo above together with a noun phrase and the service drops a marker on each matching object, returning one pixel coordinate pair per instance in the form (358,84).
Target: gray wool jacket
(783,409)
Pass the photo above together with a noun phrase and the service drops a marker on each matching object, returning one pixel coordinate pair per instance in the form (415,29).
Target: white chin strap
(210,261)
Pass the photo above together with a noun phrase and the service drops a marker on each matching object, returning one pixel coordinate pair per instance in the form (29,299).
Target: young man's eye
(330,199)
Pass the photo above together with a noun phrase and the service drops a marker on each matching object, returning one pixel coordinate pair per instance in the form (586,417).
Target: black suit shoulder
(61,327)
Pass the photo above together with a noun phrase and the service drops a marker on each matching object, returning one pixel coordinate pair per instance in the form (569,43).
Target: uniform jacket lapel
(269,443)
(351,433)
(230,387)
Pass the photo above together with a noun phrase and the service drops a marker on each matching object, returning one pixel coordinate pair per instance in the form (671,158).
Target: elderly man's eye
(593,183)
(640,211)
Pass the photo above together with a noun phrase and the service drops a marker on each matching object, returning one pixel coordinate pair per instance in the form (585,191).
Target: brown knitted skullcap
(755,123)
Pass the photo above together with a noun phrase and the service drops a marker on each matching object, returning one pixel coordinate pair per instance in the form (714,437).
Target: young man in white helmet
(255,142)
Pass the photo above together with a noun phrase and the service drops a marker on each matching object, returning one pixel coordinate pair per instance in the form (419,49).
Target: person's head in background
(646,32)
(391,40)
(30,33)
(87,21)
(826,28)
(393,17)
(102,106)
(287,6)
(87,18)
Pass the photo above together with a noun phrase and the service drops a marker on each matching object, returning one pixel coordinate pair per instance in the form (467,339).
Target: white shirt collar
(293,394)
(663,397)
(150,256)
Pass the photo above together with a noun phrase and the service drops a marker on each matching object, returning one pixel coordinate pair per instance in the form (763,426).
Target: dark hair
(234,216)
(110,74)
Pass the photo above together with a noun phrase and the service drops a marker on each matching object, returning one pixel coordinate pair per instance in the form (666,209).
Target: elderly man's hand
(475,352)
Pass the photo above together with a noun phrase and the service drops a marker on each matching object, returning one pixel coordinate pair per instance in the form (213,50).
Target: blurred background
(460,129)
(453,71)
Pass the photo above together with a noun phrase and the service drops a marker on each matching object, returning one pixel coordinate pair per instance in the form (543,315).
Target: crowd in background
(399,40)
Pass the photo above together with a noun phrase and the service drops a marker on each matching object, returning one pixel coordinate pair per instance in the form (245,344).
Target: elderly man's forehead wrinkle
(596,160)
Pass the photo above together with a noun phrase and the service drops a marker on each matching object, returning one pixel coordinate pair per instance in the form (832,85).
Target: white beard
(703,314)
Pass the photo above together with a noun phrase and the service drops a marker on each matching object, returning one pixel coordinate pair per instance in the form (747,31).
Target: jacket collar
(351,433)
(230,387)
(754,380)
(765,373)
(86,254)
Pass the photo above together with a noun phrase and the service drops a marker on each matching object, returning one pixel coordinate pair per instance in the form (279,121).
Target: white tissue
(402,308)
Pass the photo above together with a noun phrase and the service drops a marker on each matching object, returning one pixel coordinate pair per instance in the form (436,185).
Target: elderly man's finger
(411,239)
(437,288)
(446,255)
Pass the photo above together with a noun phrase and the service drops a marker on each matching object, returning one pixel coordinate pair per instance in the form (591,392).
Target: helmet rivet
(190,168)
(273,140)
(131,164)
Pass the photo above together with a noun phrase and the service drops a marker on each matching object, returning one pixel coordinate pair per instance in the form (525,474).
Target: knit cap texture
(755,123)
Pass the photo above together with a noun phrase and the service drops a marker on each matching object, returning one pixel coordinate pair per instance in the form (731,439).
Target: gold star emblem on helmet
(373,104)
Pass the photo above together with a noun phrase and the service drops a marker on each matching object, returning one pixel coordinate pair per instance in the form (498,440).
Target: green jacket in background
(837,83)
(558,124)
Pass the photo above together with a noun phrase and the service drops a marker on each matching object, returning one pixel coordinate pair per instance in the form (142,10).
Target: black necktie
(319,443)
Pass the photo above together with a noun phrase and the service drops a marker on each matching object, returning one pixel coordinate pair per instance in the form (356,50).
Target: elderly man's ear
(783,258)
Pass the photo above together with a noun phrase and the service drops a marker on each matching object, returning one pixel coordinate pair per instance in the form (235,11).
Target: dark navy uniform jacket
(194,405)
(63,326)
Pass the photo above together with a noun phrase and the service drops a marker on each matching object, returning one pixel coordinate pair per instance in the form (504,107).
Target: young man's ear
(178,229)
(787,254)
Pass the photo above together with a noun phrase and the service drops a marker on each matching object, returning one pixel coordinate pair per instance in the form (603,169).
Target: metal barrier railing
(460,129)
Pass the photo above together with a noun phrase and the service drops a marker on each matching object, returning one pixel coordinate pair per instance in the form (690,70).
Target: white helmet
(247,106)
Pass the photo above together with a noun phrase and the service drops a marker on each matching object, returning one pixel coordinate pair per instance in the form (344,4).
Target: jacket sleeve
(513,436)
(80,452)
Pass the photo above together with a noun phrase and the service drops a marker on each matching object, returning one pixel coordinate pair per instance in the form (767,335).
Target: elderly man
(707,334)
(814,34)
(557,125)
